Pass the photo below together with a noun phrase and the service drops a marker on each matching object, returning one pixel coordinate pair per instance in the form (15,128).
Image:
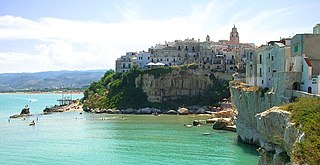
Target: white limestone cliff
(262,123)
(180,82)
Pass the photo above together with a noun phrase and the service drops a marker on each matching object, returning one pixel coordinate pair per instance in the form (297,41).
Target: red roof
(308,62)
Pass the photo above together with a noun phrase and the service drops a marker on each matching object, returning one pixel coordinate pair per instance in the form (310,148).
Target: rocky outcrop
(261,122)
(183,111)
(25,112)
(179,82)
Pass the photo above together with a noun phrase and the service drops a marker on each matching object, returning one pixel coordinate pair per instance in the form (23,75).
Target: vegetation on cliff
(306,114)
(118,90)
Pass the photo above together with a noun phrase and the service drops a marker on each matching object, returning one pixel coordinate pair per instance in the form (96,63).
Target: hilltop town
(282,65)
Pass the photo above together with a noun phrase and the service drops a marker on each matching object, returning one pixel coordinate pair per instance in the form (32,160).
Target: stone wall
(298,94)
(284,81)
(180,82)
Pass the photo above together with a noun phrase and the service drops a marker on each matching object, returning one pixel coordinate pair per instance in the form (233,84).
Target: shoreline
(53,92)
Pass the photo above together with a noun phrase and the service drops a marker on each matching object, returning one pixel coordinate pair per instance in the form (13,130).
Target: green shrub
(190,66)
(159,71)
(306,112)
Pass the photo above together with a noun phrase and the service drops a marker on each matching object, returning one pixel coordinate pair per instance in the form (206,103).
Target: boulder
(194,108)
(195,123)
(112,111)
(172,112)
(224,114)
(156,110)
(183,111)
(201,111)
(128,111)
(220,124)
(146,110)
(25,110)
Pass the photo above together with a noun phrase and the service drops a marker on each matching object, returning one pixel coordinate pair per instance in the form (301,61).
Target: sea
(73,138)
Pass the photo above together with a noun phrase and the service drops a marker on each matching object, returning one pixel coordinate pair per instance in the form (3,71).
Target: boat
(32,123)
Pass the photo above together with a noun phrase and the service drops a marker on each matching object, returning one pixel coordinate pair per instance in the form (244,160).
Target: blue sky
(83,35)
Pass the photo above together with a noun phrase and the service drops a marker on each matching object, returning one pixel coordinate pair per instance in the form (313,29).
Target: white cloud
(70,44)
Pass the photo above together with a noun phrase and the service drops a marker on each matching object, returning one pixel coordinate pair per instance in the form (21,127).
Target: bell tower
(234,35)
(208,38)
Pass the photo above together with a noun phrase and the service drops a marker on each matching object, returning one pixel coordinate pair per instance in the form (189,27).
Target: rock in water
(183,111)
(220,124)
(25,110)
(172,112)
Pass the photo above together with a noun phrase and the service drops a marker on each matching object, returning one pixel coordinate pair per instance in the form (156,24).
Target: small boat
(188,125)
(206,133)
(32,123)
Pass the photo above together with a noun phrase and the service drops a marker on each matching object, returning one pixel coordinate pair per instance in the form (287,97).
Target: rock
(223,114)
(112,111)
(183,111)
(128,111)
(156,110)
(146,110)
(193,109)
(201,111)
(195,123)
(176,84)
(172,112)
(220,124)
(25,110)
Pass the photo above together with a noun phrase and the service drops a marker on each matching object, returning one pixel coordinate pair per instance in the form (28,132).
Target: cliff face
(258,122)
(180,82)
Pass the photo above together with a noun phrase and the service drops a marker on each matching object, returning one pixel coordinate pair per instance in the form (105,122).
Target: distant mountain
(48,80)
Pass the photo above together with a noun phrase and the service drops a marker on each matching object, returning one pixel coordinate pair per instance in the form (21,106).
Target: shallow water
(72,138)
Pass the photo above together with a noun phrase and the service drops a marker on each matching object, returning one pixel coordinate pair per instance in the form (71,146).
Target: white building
(263,63)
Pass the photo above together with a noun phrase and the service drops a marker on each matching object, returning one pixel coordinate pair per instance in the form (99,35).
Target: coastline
(53,92)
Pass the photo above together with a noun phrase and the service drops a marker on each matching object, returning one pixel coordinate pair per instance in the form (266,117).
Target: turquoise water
(72,138)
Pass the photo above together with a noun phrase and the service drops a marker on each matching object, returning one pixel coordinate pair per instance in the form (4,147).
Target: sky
(50,35)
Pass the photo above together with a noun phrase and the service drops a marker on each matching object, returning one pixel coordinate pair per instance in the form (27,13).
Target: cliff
(177,83)
(162,87)
(260,123)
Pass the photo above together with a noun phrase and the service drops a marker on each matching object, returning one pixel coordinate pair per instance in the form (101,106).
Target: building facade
(286,64)
(221,56)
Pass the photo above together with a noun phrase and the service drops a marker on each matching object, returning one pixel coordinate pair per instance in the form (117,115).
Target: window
(262,81)
(260,59)
(129,65)
(260,72)
(148,58)
(295,48)
(272,58)
(179,48)
(269,56)
(186,47)
(123,65)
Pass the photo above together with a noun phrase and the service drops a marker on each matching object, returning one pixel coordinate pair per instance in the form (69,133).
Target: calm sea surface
(72,138)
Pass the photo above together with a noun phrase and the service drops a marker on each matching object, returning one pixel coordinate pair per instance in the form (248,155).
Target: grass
(306,114)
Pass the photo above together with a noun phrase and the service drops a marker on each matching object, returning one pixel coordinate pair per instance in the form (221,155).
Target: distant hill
(48,80)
